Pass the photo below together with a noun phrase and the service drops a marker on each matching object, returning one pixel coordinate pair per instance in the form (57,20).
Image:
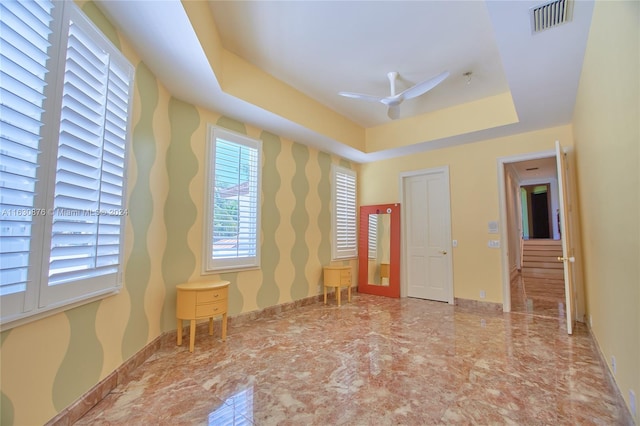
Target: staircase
(542,272)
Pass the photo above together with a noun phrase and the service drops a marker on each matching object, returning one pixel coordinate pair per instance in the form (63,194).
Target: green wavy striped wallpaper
(49,363)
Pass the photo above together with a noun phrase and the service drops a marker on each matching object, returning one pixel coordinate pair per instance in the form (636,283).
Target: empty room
(319,212)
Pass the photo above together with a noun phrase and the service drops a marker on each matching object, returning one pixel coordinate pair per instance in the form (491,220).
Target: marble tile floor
(374,361)
(538,296)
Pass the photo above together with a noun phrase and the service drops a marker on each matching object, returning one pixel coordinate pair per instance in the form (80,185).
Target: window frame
(209,264)
(40,299)
(351,250)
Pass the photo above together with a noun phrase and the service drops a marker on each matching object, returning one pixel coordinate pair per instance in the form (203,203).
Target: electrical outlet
(613,364)
(590,321)
(494,244)
(483,294)
(632,403)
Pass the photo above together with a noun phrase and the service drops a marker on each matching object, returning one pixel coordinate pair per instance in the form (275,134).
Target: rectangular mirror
(379,250)
(379,247)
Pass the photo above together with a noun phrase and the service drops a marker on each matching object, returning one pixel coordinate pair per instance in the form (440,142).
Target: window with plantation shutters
(24,44)
(233,202)
(345,239)
(66,94)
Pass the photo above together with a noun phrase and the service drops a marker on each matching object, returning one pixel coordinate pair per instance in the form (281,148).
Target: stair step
(554,264)
(542,273)
(540,241)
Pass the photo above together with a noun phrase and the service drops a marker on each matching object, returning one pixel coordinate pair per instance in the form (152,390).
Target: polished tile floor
(374,361)
(538,296)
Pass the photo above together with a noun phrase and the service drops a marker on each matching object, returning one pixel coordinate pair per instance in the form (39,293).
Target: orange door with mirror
(379,250)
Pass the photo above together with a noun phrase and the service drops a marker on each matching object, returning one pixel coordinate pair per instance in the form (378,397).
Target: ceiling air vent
(550,14)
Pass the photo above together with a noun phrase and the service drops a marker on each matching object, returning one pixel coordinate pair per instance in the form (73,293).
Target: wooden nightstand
(338,277)
(199,301)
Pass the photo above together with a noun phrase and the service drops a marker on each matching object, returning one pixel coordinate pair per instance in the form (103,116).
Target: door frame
(504,236)
(404,290)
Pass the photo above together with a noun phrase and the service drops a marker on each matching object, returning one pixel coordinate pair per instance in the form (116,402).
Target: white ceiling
(323,47)
(538,169)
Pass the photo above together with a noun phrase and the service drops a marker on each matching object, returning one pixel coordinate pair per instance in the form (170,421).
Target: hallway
(375,361)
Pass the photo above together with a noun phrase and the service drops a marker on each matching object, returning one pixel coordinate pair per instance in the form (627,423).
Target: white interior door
(565,229)
(428,235)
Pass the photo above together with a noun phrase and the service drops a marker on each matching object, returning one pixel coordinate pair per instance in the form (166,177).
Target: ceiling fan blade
(394,112)
(424,86)
(368,98)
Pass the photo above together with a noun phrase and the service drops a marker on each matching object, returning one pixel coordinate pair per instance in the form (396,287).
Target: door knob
(570,259)
(443,251)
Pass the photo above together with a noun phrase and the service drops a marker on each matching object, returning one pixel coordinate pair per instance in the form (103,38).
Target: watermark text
(24,212)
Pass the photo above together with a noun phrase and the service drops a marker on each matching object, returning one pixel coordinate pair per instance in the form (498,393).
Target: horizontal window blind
(24,44)
(345,229)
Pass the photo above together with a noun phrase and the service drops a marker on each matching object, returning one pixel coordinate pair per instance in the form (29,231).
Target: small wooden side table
(338,277)
(199,301)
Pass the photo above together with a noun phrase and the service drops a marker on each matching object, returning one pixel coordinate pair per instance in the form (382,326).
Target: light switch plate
(493,227)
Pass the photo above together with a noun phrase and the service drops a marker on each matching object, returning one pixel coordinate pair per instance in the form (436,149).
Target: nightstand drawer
(211,295)
(211,309)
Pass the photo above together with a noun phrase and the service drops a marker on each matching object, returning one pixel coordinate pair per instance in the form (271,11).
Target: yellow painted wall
(486,113)
(473,173)
(607,139)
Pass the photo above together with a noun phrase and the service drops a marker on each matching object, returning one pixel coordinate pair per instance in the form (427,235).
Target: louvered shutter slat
(11,117)
(19,98)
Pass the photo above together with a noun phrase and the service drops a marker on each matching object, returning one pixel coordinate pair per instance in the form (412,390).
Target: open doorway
(536,210)
(533,235)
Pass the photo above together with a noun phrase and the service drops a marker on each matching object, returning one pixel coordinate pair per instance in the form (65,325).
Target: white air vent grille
(550,15)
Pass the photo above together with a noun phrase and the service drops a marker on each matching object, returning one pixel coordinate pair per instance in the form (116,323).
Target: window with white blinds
(233,201)
(65,104)
(345,230)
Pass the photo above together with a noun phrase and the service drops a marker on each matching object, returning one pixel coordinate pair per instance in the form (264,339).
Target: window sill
(26,318)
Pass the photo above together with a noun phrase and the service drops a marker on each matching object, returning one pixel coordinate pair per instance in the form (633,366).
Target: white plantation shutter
(78,173)
(233,201)
(345,239)
(88,206)
(24,42)
(80,112)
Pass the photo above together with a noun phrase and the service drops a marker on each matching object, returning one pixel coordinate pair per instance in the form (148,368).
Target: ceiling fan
(394,100)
